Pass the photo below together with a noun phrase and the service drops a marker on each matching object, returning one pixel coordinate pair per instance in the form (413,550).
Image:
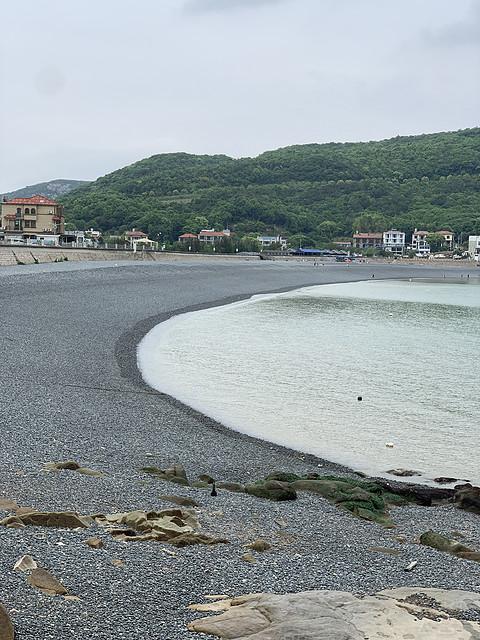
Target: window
(19,212)
(27,224)
(27,211)
(32,211)
(33,224)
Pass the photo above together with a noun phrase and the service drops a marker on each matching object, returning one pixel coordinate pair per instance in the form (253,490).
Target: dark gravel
(70,390)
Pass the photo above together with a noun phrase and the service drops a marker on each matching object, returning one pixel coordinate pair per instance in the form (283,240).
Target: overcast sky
(88,86)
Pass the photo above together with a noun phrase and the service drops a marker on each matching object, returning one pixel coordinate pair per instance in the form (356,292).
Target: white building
(448,238)
(474,247)
(267,241)
(394,241)
(419,242)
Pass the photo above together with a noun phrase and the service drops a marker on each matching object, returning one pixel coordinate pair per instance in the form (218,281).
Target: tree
(436,242)
(369,222)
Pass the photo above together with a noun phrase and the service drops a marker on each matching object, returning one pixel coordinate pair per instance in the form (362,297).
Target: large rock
(59,519)
(442,543)
(176,473)
(421,494)
(6,626)
(272,490)
(416,614)
(468,497)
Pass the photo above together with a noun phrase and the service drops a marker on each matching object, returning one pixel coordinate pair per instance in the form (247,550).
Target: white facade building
(474,247)
(394,241)
(267,241)
(419,243)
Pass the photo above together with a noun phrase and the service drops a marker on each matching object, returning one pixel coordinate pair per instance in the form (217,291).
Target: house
(474,247)
(135,238)
(34,220)
(419,242)
(394,241)
(267,241)
(210,236)
(367,240)
(188,238)
(448,238)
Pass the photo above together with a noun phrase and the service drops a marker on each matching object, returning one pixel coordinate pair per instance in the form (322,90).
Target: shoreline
(71,391)
(126,353)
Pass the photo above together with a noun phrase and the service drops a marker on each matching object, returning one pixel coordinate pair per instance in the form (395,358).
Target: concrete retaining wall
(30,255)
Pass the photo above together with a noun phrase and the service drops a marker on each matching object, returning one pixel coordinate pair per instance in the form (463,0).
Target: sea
(375,375)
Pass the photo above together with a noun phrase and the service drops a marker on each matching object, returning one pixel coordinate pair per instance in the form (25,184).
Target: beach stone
(25,563)
(69,465)
(260,545)
(447,480)
(248,557)
(188,539)
(272,490)
(204,477)
(236,487)
(85,471)
(6,625)
(46,582)
(442,543)
(176,473)
(336,615)
(403,473)
(59,519)
(467,497)
(94,543)
(8,505)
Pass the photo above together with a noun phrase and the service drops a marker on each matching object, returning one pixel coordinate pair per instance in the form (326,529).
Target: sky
(89,86)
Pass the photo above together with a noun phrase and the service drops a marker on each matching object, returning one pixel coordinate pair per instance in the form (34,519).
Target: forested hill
(318,190)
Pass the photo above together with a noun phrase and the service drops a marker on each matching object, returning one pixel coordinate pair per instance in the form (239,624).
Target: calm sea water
(288,368)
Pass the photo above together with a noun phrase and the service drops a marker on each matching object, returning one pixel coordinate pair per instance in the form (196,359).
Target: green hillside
(316,190)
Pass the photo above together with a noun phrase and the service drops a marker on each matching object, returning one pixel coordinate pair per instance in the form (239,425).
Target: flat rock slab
(396,614)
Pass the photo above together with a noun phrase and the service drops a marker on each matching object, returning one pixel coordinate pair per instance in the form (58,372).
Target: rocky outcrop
(72,465)
(176,473)
(442,543)
(468,497)
(271,490)
(59,519)
(6,626)
(417,614)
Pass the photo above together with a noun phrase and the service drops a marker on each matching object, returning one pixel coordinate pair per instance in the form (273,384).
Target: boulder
(272,490)
(59,519)
(467,497)
(6,626)
(45,582)
(236,487)
(176,473)
(442,543)
(403,473)
(418,493)
(417,614)
(447,480)
(260,545)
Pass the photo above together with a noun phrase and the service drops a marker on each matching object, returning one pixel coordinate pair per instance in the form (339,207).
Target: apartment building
(32,219)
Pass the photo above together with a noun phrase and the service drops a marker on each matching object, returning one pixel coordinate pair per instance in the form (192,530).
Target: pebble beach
(71,390)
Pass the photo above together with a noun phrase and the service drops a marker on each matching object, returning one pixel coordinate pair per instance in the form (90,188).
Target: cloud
(458,34)
(206,6)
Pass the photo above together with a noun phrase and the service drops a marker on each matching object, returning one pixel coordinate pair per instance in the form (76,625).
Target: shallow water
(289,368)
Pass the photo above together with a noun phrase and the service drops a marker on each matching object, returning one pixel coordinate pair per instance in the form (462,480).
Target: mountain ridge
(318,191)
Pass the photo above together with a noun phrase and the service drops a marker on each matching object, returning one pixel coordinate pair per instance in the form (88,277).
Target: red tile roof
(32,200)
(216,234)
(188,235)
(136,234)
